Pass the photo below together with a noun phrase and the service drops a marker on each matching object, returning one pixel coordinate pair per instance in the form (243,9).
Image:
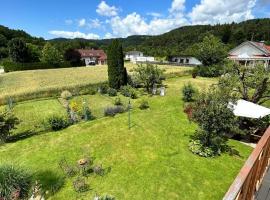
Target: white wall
(186,60)
(246,50)
(133,55)
(142,59)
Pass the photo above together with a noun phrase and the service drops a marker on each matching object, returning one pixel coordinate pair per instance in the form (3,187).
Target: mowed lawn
(34,81)
(150,161)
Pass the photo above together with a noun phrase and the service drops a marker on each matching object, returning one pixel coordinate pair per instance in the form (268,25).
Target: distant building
(185,60)
(133,54)
(93,57)
(137,56)
(249,53)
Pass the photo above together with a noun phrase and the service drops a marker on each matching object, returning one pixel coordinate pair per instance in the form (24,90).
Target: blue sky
(97,19)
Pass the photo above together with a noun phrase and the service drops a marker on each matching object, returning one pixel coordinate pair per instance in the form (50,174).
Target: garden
(143,134)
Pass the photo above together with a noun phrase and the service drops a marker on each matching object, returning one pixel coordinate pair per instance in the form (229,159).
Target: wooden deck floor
(264,191)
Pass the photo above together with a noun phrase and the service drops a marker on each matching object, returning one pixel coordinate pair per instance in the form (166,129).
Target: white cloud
(68,22)
(82,22)
(104,9)
(220,11)
(177,6)
(154,14)
(134,24)
(95,23)
(72,35)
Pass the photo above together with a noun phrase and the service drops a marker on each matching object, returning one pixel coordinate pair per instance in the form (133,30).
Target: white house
(92,56)
(185,60)
(249,53)
(133,54)
(142,59)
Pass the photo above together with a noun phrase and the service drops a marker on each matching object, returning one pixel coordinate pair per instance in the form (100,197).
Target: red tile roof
(262,46)
(100,54)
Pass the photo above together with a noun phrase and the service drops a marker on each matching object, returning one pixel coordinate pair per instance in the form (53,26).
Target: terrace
(253,181)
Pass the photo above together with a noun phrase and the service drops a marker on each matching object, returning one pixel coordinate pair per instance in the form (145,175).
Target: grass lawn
(150,161)
(27,82)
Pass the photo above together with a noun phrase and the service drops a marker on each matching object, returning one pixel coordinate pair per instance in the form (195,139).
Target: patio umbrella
(248,109)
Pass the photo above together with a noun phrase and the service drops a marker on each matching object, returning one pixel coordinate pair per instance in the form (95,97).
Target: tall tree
(18,50)
(211,51)
(51,55)
(116,70)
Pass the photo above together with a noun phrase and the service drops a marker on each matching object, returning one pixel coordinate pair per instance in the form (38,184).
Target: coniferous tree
(116,70)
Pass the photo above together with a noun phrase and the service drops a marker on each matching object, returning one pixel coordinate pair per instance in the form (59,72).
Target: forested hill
(175,42)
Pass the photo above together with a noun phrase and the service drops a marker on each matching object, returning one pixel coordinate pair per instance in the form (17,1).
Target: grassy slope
(33,81)
(150,161)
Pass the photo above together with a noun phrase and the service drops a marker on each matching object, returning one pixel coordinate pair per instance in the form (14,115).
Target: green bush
(118,101)
(103,88)
(210,71)
(57,123)
(188,92)
(112,92)
(13,66)
(144,105)
(129,91)
(7,123)
(14,182)
(196,147)
(112,111)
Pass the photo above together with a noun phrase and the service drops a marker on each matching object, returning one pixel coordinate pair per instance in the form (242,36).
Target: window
(181,60)
(187,60)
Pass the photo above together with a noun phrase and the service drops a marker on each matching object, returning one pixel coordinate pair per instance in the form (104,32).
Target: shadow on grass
(50,181)
(24,135)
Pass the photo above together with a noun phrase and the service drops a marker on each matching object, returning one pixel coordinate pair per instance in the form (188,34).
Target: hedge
(12,66)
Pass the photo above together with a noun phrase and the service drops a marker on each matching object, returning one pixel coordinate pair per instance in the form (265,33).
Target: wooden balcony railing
(248,181)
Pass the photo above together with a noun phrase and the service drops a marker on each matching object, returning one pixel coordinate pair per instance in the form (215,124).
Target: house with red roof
(250,53)
(93,57)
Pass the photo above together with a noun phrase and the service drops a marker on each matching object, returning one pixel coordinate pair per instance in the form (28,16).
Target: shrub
(80,185)
(13,66)
(57,123)
(112,92)
(188,92)
(86,113)
(112,111)
(14,182)
(129,91)
(144,105)
(98,170)
(103,88)
(105,197)
(66,95)
(148,75)
(210,71)
(196,147)
(88,90)
(118,101)
(7,123)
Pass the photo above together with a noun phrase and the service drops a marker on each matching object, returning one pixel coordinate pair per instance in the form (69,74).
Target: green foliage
(118,101)
(112,111)
(188,92)
(34,53)
(116,71)
(148,75)
(112,92)
(13,66)
(196,147)
(103,88)
(129,91)
(211,51)
(144,105)
(215,120)
(251,84)
(57,123)
(18,50)
(74,57)
(80,185)
(7,122)
(14,182)
(210,71)
(51,55)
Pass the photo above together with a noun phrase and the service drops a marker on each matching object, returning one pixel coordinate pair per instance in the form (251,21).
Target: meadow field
(149,161)
(26,85)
